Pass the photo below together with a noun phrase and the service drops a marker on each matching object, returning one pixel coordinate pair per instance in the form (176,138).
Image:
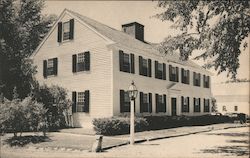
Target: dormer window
(65,31)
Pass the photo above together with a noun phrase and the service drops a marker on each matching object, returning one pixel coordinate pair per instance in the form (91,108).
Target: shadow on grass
(244,134)
(24,140)
(238,150)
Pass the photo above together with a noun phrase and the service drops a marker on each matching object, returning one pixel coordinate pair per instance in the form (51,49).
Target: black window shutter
(199,79)
(208,81)
(194,105)
(204,79)
(59,33)
(194,80)
(177,74)
(132,62)
(73,102)
(164,71)
(87,61)
(165,102)
(121,101)
(45,68)
(141,102)
(182,75)
(182,104)
(149,68)
(199,104)
(71,27)
(188,104)
(55,66)
(156,69)
(156,103)
(121,57)
(86,101)
(170,73)
(150,102)
(74,57)
(140,65)
(188,77)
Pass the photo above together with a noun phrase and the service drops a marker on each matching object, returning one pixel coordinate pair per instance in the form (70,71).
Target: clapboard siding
(97,80)
(122,80)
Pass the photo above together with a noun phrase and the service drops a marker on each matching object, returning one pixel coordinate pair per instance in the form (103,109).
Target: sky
(116,13)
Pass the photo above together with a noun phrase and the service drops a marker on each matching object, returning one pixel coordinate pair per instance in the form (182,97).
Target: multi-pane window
(185,76)
(81,62)
(206,81)
(50,67)
(197,79)
(173,73)
(184,104)
(124,101)
(160,70)
(126,62)
(144,66)
(235,108)
(80,101)
(66,30)
(160,103)
(197,107)
(145,102)
(206,105)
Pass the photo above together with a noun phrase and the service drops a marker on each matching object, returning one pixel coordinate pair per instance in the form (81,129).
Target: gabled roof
(123,39)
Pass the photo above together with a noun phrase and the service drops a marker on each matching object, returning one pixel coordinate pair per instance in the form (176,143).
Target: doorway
(173,106)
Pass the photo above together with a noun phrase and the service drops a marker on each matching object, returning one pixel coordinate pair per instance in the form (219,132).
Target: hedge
(120,125)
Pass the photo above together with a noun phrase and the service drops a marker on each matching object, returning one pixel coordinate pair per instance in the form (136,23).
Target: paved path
(229,143)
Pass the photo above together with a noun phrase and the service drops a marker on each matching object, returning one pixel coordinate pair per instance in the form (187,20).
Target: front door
(173,106)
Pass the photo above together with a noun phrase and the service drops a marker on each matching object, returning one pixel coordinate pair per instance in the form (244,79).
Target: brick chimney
(134,29)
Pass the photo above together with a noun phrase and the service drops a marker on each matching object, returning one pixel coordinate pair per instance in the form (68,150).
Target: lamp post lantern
(132,95)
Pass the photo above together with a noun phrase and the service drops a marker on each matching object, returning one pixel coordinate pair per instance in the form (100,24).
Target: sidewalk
(80,139)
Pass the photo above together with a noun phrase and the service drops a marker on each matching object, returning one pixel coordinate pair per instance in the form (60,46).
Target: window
(173,73)
(206,81)
(124,101)
(144,66)
(81,62)
(50,67)
(160,70)
(235,108)
(206,105)
(160,103)
(197,105)
(80,101)
(196,79)
(184,104)
(126,62)
(65,30)
(145,102)
(185,76)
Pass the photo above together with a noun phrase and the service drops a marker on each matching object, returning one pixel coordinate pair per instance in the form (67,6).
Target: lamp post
(132,95)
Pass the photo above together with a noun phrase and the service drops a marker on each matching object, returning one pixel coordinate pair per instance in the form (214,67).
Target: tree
(214,105)
(22,27)
(215,28)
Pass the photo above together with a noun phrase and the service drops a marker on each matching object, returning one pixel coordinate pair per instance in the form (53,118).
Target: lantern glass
(132,91)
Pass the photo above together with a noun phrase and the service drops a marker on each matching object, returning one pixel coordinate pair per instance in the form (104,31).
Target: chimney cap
(132,23)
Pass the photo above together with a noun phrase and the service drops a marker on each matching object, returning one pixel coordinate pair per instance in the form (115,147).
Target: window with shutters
(185,104)
(50,67)
(185,76)
(206,105)
(160,70)
(206,81)
(66,30)
(144,66)
(126,62)
(197,79)
(81,101)
(145,102)
(197,105)
(160,103)
(173,73)
(81,62)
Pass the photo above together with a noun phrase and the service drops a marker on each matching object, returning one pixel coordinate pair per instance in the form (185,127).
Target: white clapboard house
(97,63)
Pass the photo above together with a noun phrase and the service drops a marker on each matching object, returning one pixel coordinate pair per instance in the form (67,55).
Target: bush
(19,116)
(118,125)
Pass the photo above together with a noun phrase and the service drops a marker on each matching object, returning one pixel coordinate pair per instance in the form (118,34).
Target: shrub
(118,125)
(18,116)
